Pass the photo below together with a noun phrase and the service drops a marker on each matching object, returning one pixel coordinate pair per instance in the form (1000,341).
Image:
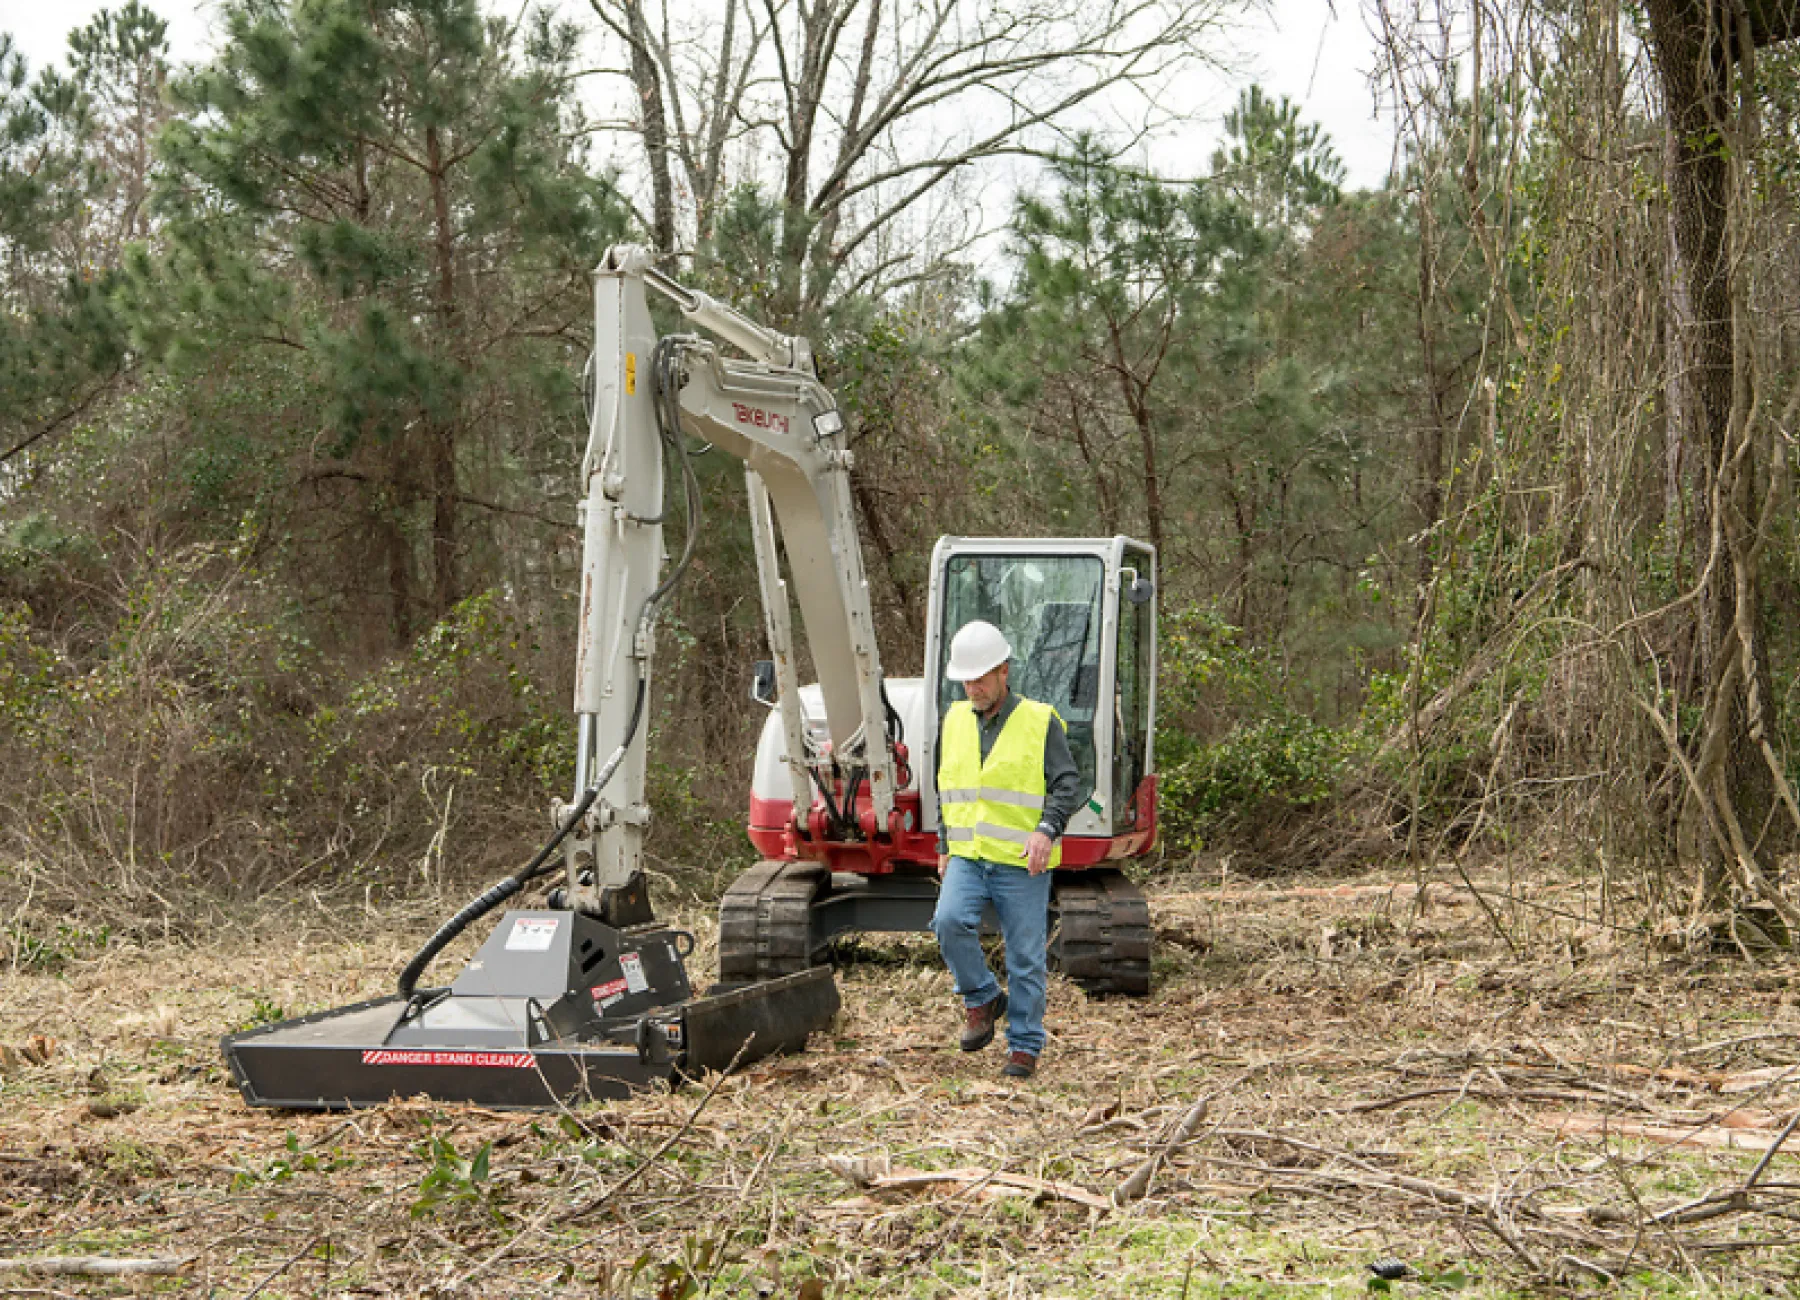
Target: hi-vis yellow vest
(990,809)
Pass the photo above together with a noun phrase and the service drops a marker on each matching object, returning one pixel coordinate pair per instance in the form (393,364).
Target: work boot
(1020,1065)
(978,1027)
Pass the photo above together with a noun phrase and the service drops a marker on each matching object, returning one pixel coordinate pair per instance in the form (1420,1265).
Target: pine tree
(60,345)
(384,194)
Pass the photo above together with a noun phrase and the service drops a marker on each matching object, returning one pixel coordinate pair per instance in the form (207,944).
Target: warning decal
(482,1060)
(609,992)
(634,972)
(532,934)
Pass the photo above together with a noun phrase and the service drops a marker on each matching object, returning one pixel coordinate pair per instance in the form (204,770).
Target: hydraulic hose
(505,889)
(896,728)
(666,368)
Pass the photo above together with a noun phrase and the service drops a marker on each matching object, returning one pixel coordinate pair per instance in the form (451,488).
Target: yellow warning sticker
(631,374)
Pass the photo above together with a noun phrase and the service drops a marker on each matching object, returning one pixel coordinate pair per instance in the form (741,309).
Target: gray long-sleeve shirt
(1062,778)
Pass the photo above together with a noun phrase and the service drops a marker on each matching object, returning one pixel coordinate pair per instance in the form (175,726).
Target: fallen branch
(1138,1184)
(1715,1136)
(1479,1094)
(283,1267)
(906,1180)
(1437,891)
(1742,1081)
(635,1174)
(95,1265)
(1737,1199)
(1373,1177)
(1134,1187)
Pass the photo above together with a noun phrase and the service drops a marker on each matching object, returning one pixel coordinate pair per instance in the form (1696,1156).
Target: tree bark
(1430,471)
(646,79)
(819,27)
(869,505)
(440,428)
(1703,58)
(389,526)
(1137,403)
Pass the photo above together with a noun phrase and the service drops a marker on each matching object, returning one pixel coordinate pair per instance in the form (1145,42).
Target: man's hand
(1037,852)
(943,864)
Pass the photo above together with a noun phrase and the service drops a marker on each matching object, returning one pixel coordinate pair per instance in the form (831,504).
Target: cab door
(1133,687)
(1081,643)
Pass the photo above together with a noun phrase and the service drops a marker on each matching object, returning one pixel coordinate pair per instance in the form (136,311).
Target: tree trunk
(646,80)
(869,506)
(1138,405)
(390,510)
(440,427)
(1734,820)
(1430,466)
(804,92)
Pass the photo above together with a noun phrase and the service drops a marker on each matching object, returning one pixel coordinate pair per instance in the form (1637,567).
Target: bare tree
(1705,57)
(1657,238)
(853,112)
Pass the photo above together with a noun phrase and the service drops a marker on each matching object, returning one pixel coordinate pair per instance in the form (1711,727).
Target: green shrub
(1262,776)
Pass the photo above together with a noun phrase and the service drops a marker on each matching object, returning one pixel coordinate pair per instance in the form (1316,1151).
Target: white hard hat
(977,648)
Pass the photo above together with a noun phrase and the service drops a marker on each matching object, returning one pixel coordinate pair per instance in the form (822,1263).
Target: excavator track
(1102,935)
(766,925)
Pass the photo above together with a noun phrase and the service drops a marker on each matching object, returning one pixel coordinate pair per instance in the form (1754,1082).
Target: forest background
(1471,490)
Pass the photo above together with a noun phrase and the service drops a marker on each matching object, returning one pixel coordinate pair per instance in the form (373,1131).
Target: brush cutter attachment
(554,1009)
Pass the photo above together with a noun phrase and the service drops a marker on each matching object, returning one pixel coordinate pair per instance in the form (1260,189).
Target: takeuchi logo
(755,415)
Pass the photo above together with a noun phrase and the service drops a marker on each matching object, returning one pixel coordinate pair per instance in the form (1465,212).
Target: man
(1007,786)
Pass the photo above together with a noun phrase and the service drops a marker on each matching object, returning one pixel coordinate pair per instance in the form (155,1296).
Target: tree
(1280,169)
(1103,330)
(384,194)
(868,109)
(60,344)
(121,68)
(1169,338)
(1705,59)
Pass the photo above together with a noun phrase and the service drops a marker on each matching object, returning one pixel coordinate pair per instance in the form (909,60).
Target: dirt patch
(1499,1092)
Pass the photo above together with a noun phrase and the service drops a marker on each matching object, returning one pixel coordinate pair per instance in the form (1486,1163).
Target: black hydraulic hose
(505,889)
(896,728)
(664,364)
(837,818)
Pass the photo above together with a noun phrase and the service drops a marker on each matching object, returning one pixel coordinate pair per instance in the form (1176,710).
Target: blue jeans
(1022,902)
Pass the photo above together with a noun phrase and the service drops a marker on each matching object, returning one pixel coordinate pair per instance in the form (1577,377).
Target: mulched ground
(1497,1087)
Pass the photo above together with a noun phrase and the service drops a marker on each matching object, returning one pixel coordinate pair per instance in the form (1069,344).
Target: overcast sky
(1299,48)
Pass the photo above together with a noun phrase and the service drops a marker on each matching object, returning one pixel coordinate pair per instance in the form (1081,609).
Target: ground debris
(93,1266)
(34,1051)
(1411,1088)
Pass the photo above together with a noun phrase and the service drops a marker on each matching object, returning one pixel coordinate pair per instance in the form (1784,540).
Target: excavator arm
(768,409)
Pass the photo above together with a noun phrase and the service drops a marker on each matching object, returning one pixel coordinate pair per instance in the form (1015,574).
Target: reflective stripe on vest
(990,808)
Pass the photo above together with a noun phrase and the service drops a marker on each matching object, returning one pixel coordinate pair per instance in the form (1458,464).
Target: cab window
(1131,706)
(1049,609)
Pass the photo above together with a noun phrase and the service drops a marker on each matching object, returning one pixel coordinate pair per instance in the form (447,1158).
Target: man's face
(987,690)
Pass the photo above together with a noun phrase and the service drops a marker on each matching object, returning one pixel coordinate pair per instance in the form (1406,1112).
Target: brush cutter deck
(554,1009)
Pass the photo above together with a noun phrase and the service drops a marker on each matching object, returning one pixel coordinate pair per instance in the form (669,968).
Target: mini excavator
(587,996)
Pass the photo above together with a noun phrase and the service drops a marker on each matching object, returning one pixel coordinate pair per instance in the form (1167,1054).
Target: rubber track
(765,922)
(1103,934)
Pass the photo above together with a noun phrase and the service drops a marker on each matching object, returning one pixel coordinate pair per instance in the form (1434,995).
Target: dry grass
(1383,1080)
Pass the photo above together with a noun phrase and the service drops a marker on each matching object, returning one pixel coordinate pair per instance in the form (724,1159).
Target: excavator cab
(1081,618)
(1080,615)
